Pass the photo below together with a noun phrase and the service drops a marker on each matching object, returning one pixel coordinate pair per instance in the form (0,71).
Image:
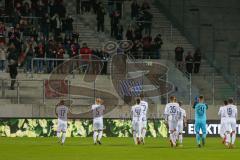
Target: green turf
(112,149)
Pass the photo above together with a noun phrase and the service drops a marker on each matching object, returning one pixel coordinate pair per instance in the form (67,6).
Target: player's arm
(206,106)
(56,110)
(185,120)
(165,114)
(131,114)
(220,111)
(194,105)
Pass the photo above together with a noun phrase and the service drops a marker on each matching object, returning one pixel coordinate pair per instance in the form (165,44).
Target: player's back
(98,111)
(137,112)
(231,111)
(222,114)
(171,111)
(144,105)
(62,112)
(200,112)
(181,114)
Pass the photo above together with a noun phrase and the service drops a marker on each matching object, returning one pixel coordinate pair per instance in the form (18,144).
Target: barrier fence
(119,78)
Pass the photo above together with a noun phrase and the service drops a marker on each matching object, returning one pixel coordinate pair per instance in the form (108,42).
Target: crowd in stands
(42,29)
(139,32)
(38,29)
(192,62)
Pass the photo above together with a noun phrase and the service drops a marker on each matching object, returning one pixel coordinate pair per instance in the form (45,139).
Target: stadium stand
(32,91)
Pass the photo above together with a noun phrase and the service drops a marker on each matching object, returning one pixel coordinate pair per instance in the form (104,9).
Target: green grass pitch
(113,149)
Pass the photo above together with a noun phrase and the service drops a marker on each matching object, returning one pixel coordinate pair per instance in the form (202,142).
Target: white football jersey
(144,105)
(137,113)
(230,111)
(171,111)
(62,112)
(98,111)
(181,114)
(222,113)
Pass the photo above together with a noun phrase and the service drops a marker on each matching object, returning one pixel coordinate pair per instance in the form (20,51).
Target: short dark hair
(138,101)
(180,103)
(225,102)
(201,97)
(141,96)
(230,100)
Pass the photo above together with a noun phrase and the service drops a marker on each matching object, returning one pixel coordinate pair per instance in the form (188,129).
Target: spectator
(130,33)
(60,56)
(158,45)
(95,6)
(56,26)
(51,50)
(78,6)
(138,33)
(119,6)
(2,29)
(3,54)
(197,57)
(29,51)
(85,6)
(110,6)
(134,9)
(137,49)
(40,53)
(68,27)
(148,22)
(145,5)
(189,62)
(179,57)
(100,17)
(45,25)
(115,18)
(85,52)
(105,58)
(12,64)
(147,44)
(119,32)
(25,11)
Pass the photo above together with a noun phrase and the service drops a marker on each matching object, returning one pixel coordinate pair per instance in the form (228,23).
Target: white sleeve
(184,113)
(165,114)
(166,110)
(220,111)
(236,113)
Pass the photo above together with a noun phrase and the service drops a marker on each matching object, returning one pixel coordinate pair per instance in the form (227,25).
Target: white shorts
(231,125)
(97,125)
(62,126)
(180,126)
(223,127)
(172,125)
(137,127)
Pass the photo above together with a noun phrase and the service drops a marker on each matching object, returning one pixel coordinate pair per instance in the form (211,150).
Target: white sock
(172,138)
(63,137)
(233,137)
(134,137)
(100,133)
(180,138)
(95,134)
(58,135)
(228,138)
(143,133)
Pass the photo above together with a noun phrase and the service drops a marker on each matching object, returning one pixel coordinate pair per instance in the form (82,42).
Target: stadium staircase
(208,78)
